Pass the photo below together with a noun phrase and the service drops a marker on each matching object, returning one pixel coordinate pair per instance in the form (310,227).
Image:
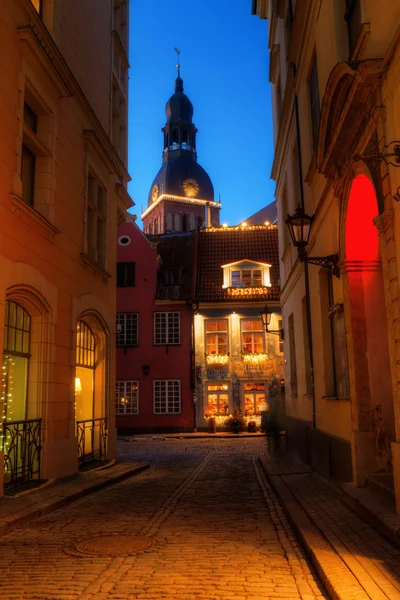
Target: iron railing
(92,440)
(21,442)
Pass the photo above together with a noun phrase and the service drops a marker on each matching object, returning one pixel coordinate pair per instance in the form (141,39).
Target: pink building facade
(154,317)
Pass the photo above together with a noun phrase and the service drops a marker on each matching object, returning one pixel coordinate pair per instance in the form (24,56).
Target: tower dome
(181,196)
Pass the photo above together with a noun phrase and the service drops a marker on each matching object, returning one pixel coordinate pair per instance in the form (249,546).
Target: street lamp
(299,225)
(266,319)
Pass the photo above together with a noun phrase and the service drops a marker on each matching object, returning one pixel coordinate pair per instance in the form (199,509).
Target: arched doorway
(91,423)
(21,440)
(371,392)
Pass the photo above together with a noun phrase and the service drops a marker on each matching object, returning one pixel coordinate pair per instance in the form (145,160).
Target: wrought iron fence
(92,440)
(21,442)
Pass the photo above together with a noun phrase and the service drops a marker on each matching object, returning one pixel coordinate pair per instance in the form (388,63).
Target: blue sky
(224,66)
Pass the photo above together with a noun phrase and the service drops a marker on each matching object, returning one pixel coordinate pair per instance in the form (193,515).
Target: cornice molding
(20,207)
(102,144)
(90,264)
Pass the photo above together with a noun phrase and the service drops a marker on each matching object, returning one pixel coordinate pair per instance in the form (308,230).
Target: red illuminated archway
(361,233)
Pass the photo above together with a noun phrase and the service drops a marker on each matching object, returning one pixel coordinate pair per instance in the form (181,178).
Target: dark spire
(178,84)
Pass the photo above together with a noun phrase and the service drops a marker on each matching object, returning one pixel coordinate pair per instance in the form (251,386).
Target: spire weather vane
(178,64)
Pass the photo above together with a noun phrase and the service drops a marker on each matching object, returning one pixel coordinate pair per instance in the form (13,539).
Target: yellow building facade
(335,74)
(63,178)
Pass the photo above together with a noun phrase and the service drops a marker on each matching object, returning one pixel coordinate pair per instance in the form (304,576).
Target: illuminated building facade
(335,74)
(63,178)
(181,196)
(238,364)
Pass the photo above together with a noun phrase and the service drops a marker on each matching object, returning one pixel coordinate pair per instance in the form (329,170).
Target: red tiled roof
(223,246)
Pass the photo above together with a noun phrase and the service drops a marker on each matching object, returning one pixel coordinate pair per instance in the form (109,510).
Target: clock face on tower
(154,193)
(191,188)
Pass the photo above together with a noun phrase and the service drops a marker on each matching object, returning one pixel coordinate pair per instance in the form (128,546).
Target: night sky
(224,66)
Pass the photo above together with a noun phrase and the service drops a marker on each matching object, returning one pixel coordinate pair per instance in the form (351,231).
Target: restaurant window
(254,398)
(217,399)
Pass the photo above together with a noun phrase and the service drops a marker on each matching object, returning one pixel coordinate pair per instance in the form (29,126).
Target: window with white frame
(252,336)
(216,336)
(280,340)
(127,397)
(244,273)
(127,329)
(167,329)
(167,397)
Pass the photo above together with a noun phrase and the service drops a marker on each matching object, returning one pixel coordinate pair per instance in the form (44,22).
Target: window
(127,398)
(278,91)
(217,399)
(216,337)
(85,346)
(126,274)
(296,178)
(314,101)
(254,398)
(118,122)
(334,340)
(167,328)
(167,397)
(307,358)
(96,220)
(28,166)
(280,340)
(252,336)
(242,274)
(292,357)
(285,212)
(247,278)
(127,329)
(170,276)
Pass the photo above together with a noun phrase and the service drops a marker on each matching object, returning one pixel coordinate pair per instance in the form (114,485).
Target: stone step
(381,483)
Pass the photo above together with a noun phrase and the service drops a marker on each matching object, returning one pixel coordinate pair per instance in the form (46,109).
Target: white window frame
(228,392)
(122,319)
(170,387)
(122,386)
(246,265)
(241,283)
(169,336)
(279,341)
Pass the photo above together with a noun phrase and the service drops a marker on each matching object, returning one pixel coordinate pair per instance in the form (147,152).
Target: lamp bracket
(328,262)
(391,156)
(279,332)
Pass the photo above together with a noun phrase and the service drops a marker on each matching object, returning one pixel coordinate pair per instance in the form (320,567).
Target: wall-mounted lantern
(266,319)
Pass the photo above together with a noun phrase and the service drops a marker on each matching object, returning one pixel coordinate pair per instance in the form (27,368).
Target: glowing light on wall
(182,199)
(249,291)
(254,359)
(217,359)
(361,233)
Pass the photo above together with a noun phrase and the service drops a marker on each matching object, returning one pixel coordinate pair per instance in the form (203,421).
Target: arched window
(169,222)
(16,356)
(85,346)
(85,391)
(177,222)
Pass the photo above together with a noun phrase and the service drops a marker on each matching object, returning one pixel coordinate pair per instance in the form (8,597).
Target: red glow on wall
(361,233)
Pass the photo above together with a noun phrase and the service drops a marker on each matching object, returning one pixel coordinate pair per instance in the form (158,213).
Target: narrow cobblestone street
(217,531)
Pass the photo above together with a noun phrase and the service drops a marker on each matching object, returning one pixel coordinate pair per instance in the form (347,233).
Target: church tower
(181,196)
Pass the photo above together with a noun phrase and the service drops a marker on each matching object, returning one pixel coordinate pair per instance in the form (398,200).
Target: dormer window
(246,274)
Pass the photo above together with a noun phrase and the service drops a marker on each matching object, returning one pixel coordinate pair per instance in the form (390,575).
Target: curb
(50,506)
(193,436)
(338,579)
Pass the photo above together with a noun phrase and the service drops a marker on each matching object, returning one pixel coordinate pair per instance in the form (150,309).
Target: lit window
(167,396)
(244,273)
(252,336)
(85,346)
(217,399)
(127,398)
(280,340)
(96,220)
(167,328)
(127,329)
(254,398)
(216,337)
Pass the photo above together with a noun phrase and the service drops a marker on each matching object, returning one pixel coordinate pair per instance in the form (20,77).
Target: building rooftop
(224,245)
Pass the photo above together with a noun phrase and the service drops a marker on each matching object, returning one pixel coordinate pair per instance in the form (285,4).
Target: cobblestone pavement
(218,533)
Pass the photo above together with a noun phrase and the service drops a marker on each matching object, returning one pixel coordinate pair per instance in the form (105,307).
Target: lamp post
(266,319)
(299,225)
